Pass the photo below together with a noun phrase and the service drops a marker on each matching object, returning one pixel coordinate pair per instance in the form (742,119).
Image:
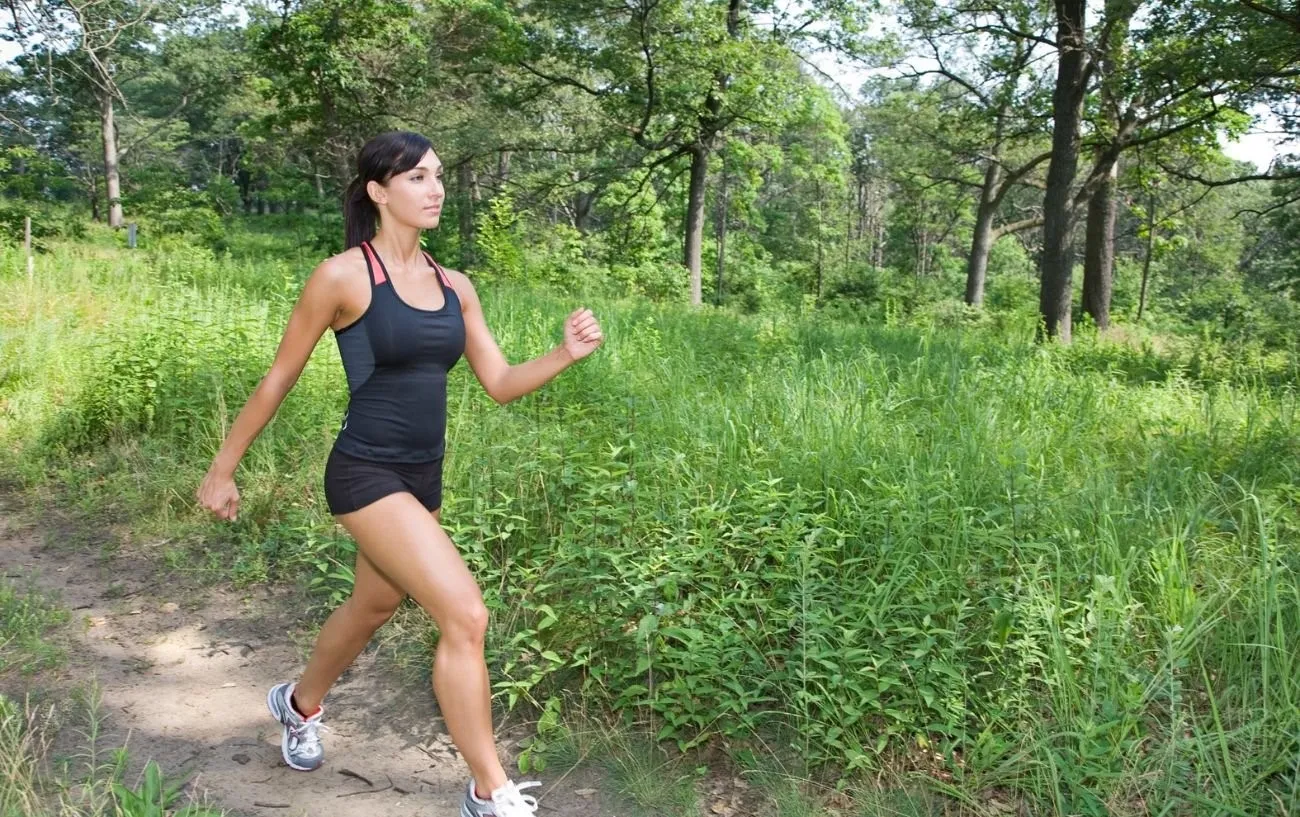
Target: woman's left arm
(502,381)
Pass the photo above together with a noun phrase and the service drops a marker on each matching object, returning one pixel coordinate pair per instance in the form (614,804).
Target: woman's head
(399,179)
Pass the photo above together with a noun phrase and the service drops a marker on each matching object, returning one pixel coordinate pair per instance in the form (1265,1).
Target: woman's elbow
(498,388)
(276,385)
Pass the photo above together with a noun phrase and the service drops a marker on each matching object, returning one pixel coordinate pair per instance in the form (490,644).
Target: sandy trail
(184,674)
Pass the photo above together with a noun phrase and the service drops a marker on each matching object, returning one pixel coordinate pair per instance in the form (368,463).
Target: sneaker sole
(284,735)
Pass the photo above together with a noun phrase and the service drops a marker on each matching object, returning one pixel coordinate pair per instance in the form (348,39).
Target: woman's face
(414,197)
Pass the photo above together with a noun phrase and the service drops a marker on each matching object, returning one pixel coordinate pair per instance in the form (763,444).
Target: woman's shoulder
(349,259)
(341,268)
(339,277)
(457,277)
(461,283)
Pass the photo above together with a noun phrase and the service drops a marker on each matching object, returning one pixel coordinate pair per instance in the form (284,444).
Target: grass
(35,781)
(656,783)
(27,622)
(994,571)
(89,783)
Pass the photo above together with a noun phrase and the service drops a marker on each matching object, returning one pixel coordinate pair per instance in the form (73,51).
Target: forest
(943,455)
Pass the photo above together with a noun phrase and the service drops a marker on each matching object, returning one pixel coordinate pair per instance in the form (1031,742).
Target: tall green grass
(90,782)
(27,619)
(1065,574)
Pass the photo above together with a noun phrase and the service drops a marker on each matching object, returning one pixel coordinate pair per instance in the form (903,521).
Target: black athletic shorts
(351,483)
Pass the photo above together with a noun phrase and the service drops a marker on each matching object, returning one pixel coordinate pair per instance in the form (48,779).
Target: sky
(1260,147)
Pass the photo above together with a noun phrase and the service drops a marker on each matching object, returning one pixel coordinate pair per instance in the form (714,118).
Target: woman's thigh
(404,542)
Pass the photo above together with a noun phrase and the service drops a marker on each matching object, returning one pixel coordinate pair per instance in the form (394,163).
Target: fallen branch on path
(372,791)
(355,776)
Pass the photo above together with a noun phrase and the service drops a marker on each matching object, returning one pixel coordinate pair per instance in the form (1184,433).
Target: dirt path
(184,673)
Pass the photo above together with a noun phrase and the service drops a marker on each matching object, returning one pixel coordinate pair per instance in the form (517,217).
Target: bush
(497,242)
(49,222)
(173,212)
(162,375)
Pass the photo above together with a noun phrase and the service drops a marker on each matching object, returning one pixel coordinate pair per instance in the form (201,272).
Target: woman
(401,322)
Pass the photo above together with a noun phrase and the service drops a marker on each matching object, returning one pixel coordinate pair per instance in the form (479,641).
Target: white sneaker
(300,738)
(506,802)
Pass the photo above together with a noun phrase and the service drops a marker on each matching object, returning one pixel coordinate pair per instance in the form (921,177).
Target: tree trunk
(1146,260)
(860,203)
(921,237)
(711,126)
(723,206)
(582,204)
(982,242)
(878,241)
(695,219)
(1099,250)
(821,219)
(1056,263)
(465,212)
(848,231)
(112,177)
(94,197)
(344,169)
(244,180)
(503,170)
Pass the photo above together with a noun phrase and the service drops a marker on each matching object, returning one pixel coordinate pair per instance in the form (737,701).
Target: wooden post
(27,246)
(130,235)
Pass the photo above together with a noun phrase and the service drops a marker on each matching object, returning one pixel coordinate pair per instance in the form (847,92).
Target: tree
(92,48)
(992,99)
(675,76)
(340,70)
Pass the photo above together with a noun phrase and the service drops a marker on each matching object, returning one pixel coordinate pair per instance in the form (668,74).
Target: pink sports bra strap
(442,273)
(374,264)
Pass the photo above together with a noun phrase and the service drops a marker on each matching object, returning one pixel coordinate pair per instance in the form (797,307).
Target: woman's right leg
(406,543)
(346,632)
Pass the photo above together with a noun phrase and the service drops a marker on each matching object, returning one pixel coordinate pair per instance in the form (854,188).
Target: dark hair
(380,159)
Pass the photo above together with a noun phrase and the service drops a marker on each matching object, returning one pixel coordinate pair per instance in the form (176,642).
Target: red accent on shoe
(293,701)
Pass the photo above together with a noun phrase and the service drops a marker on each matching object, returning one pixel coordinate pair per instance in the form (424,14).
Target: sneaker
(506,802)
(300,741)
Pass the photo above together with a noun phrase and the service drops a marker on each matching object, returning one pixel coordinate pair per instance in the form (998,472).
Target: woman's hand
(218,494)
(582,334)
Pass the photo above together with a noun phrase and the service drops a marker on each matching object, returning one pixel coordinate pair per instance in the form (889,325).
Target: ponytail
(380,159)
(359,214)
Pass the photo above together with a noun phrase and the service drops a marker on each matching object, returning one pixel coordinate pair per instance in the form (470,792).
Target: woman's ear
(377,192)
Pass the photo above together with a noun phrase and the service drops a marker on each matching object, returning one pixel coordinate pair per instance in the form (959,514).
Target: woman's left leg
(346,632)
(406,543)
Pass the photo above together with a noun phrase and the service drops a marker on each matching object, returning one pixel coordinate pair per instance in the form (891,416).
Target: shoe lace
(307,734)
(509,802)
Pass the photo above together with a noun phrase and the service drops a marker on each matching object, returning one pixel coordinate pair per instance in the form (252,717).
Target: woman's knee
(372,613)
(466,624)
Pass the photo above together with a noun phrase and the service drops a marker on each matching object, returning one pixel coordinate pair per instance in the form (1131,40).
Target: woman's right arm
(316,309)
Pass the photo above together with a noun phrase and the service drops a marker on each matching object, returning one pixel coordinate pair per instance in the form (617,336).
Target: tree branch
(1292,20)
(145,137)
(652,95)
(569,81)
(1017,226)
(1269,176)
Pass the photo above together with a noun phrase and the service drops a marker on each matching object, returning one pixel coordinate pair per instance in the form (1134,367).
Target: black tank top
(396,357)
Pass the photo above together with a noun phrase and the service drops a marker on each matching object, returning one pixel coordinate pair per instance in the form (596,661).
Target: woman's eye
(417,177)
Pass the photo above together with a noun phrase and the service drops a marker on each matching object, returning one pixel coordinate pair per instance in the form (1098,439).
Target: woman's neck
(401,244)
